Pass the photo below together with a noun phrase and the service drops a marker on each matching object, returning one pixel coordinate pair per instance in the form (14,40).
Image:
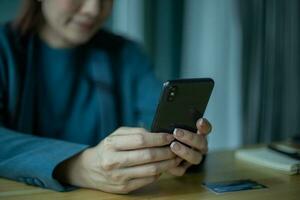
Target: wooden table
(218,166)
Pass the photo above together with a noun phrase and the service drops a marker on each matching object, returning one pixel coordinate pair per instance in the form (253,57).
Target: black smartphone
(181,104)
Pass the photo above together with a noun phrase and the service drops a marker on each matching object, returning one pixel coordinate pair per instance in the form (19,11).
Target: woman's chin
(78,39)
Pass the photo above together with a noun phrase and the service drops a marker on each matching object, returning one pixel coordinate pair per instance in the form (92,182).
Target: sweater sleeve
(27,158)
(32,160)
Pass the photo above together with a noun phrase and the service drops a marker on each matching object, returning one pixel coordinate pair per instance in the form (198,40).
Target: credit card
(233,186)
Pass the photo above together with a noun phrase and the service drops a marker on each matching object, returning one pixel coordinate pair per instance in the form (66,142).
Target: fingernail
(178,133)
(201,121)
(175,146)
(203,126)
(170,138)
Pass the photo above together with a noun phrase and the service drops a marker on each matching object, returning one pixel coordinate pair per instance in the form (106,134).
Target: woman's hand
(128,159)
(192,147)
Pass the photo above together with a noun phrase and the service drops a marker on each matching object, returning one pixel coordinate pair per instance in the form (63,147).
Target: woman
(66,86)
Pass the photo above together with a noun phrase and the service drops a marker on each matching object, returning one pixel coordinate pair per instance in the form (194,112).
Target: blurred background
(249,47)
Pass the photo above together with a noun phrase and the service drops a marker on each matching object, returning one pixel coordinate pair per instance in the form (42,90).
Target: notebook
(267,157)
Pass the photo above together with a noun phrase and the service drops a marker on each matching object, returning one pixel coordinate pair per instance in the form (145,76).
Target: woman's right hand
(126,160)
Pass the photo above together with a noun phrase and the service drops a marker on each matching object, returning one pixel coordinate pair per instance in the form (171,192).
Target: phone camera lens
(172,93)
(170,98)
(173,88)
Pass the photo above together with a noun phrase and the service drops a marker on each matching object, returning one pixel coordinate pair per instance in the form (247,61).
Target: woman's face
(73,22)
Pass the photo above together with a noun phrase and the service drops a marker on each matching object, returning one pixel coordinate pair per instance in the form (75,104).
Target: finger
(139,140)
(152,169)
(186,153)
(132,185)
(197,141)
(143,156)
(129,131)
(204,150)
(180,170)
(138,183)
(204,127)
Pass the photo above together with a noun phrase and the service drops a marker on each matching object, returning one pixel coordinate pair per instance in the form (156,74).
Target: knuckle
(150,155)
(117,177)
(108,142)
(191,156)
(107,165)
(186,152)
(153,170)
(141,140)
(141,130)
(162,137)
(107,175)
(124,189)
(169,153)
(190,136)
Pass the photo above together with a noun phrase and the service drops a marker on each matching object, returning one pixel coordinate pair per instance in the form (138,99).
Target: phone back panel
(182,103)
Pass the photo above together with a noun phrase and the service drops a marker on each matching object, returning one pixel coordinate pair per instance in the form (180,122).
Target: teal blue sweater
(54,103)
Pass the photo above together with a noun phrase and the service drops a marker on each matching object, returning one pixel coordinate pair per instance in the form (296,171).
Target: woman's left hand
(192,147)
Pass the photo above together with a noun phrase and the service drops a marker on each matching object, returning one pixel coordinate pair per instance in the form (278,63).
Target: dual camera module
(172,93)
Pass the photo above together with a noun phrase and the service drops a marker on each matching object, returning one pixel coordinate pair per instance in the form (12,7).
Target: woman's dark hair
(30,17)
